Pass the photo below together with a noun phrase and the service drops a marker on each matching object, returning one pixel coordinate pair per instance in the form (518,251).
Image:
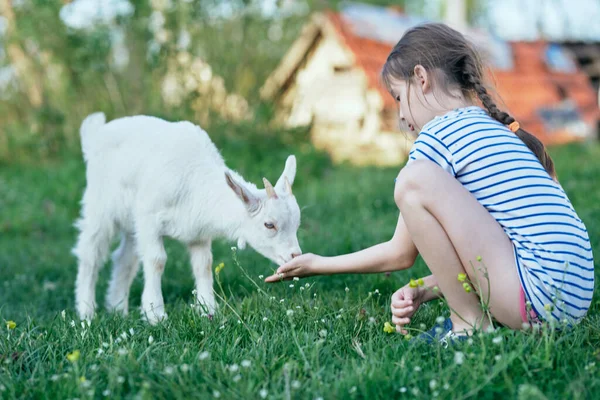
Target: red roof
(525,88)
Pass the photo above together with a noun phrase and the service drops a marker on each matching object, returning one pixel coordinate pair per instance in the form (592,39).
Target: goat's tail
(90,124)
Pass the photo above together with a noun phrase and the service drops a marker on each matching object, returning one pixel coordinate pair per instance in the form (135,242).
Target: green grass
(332,346)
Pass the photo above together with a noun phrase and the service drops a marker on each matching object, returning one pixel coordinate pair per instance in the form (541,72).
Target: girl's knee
(413,180)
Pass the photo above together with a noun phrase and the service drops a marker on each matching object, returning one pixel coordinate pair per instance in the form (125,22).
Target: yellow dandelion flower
(408,336)
(74,356)
(462,277)
(548,307)
(388,328)
(219,268)
(420,282)
(412,283)
(11,325)
(467,287)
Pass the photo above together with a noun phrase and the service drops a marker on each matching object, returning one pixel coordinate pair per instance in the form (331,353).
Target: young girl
(478,196)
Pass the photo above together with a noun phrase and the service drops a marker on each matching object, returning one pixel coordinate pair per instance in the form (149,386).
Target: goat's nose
(294,255)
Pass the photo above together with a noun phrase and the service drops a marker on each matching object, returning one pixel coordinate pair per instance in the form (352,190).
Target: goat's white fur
(148,178)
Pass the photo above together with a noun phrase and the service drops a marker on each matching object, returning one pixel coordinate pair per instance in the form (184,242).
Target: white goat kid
(148,178)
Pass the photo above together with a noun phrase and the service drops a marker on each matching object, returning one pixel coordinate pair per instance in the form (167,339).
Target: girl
(478,196)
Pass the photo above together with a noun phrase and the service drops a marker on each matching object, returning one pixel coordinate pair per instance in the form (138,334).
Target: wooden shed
(329,79)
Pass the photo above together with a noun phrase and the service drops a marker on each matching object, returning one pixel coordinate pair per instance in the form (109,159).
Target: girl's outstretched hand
(301,266)
(404,304)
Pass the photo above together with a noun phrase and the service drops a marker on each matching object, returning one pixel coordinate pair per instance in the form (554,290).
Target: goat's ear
(244,194)
(289,173)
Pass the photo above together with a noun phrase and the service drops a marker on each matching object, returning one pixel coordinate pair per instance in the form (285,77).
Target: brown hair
(453,62)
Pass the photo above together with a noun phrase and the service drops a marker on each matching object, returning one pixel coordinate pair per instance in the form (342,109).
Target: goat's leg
(154,257)
(91,251)
(125,267)
(201,260)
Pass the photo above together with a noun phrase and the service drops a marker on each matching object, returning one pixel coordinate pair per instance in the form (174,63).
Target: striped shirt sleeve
(429,147)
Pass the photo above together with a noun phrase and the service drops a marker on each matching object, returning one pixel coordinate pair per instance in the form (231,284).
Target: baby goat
(148,178)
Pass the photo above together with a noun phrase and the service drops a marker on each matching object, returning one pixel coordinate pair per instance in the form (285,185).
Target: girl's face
(413,112)
(417,102)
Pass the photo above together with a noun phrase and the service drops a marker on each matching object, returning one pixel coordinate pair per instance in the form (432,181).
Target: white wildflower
(150,339)
(459,358)
(440,320)
(403,389)
(432,384)
(234,368)
(263,393)
(122,351)
(265,318)
(203,356)
(106,393)
(216,394)
(169,370)
(185,368)
(296,384)
(237,378)
(290,313)
(296,279)
(131,331)
(246,363)
(120,379)
(497,340)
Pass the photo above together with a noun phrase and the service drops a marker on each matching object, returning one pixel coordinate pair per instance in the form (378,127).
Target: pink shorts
(532,317)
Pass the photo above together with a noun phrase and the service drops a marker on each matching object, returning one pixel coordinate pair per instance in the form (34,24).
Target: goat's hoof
(154,317)
(86,313)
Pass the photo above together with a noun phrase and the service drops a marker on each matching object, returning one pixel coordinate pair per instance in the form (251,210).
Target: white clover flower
(263,393)
(246,363)
(296,384)
(150,339)
(169,370)
(203,356)
(497,340)
(459,358)
(234,368)
(289,313)
(440,320)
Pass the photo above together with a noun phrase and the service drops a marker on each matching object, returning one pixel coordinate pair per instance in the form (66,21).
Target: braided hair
(455,64)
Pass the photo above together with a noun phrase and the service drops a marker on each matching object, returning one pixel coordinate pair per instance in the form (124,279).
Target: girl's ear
(422,78)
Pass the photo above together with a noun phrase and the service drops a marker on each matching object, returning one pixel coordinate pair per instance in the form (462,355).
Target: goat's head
(273,217)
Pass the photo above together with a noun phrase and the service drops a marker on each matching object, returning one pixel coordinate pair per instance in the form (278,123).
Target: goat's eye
(398,98)
(269,225)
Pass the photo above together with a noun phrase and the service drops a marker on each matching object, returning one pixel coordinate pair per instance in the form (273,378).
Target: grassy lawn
(319,337)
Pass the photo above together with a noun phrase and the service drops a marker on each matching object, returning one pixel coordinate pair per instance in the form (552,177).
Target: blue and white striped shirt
(552,248)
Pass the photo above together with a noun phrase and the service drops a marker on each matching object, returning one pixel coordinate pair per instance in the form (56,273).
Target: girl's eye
(268,225)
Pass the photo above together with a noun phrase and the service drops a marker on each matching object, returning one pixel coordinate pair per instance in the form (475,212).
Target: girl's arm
(396,254)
